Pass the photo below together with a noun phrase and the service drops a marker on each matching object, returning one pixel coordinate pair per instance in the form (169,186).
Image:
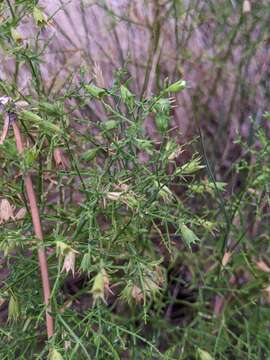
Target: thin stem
(11,9)
(38,231)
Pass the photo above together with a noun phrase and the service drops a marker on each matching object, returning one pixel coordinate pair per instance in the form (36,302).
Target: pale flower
(6,211)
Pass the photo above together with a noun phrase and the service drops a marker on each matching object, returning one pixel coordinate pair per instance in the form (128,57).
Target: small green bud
(203,355)
(190,167)
(98,288)
(127,96)
(95,91)
(16,36)
(110,125)
(45,125)
(48,108)
(188,235)
(162,105)
(13,309)
(176,87)
(54,355)
(39,17)
(90,154)
(162,122)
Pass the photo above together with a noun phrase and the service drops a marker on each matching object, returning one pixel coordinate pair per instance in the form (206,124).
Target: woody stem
(38,232)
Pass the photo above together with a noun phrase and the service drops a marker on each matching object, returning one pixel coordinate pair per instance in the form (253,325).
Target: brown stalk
(38,231)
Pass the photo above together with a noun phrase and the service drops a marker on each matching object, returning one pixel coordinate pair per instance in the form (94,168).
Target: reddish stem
(38,231)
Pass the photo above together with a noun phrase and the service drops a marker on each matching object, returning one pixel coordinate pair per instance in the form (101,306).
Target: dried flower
(6,211)
(226,258)
(99,75)
(60,158)
(63,249)
(69,262)
(153,280)
(261,265)
(246,6)
(21,214)
(137,294)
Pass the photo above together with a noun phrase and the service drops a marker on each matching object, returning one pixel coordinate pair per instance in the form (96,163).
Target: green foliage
(139,221)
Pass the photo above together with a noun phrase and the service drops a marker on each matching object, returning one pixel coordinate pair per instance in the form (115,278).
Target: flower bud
(54,355)
(35,119)
(101,283)
(127,96)
(39,17)
(188,235)
(90,154)
(69,262)
(13,309)
(176,87)
(190,167)
(16,36)
(95,91)
(204,355)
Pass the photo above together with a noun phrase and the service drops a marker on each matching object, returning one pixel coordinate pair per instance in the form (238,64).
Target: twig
(38,230)
(11,120)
